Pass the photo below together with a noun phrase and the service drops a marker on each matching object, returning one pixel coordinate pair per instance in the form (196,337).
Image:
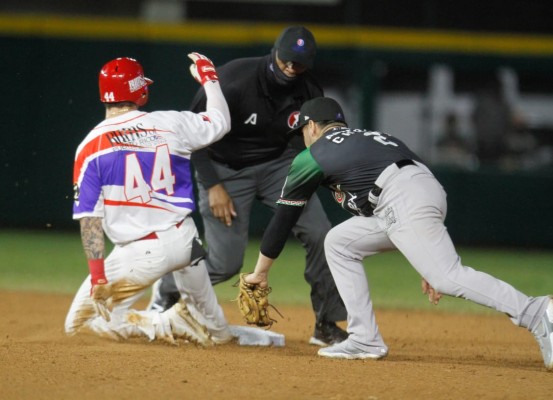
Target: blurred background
(467,84)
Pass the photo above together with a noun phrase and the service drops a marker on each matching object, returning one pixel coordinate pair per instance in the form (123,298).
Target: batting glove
(203,69)
(100,291)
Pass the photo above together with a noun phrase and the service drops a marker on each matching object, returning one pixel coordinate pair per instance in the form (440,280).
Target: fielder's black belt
(374,194)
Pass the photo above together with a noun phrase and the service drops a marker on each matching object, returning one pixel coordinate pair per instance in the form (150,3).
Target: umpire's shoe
(162,301)
(327,333)
(544,335)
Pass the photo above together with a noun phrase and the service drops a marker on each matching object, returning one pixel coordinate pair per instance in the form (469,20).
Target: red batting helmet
(123,79)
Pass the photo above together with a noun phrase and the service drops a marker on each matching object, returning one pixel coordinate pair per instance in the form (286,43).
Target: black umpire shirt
(262,112)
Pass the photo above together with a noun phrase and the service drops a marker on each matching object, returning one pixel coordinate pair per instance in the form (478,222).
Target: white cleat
(544,336)
(346,350)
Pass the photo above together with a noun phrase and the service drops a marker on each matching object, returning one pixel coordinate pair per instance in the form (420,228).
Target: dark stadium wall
(50,101)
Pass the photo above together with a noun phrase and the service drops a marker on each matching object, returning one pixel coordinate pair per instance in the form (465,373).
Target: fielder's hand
(203,69)
(101,295)
(433,296)
(253,302)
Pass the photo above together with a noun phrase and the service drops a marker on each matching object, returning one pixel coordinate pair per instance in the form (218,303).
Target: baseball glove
(253,302)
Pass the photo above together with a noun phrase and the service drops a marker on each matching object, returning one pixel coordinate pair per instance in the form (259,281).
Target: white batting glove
(203,69)
(100,300)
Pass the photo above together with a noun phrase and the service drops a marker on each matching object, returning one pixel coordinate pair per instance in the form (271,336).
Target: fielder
(397,204)
(132,180)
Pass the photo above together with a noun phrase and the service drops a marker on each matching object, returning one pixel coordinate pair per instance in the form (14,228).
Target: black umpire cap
(296,44)
(317,110)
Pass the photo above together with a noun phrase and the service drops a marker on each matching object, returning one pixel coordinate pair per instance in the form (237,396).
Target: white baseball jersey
(133,170)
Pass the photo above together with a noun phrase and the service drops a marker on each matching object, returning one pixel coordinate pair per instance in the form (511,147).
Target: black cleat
(327,333)
(163,301)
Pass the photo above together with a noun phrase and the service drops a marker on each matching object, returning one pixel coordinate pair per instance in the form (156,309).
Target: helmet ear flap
(123,79)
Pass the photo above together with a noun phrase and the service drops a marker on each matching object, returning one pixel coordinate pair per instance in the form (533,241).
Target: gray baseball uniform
(398,204)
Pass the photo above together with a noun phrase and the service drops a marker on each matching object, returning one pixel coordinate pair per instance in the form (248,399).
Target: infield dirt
(432,355)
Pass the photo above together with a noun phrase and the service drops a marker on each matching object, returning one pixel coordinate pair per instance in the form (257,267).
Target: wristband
(97,273)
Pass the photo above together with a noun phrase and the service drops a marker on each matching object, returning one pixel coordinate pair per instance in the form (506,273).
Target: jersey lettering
(252,120)
(338,137)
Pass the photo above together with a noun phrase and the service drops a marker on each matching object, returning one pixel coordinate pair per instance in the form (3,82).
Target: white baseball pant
(134,267)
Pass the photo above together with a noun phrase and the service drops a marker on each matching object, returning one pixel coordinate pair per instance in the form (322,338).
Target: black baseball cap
(317,110)
(296,44)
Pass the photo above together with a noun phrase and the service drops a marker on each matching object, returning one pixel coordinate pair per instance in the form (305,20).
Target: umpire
(251,162)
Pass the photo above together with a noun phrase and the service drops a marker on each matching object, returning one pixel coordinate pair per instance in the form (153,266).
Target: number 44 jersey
(133,170)
(348,162)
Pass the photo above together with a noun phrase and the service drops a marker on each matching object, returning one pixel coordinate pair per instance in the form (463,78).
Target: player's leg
(310,230)
(418,204)
(346,245)
(196,315)
(419,207)
(192,280)
(126,290)
(81,309)
(226,245)
(198,294)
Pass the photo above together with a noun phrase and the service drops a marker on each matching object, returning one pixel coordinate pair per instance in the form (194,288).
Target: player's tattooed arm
(92,236)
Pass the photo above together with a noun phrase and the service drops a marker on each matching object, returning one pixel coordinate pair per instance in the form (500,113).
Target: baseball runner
(251,162)
(397,204)
(132,180)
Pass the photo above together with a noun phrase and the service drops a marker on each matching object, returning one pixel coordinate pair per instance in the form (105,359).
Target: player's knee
(443,283)
(331,239)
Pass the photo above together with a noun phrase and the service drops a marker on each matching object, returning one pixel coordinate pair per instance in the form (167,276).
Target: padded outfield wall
(50,101)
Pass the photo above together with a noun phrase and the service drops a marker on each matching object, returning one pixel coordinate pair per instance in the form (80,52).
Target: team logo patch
(137,83)
(293,119)
(339,196)
(300,46)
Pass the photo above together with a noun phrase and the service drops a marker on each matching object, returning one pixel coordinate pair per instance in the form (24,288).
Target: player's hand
(101,295)
(257,279)
(221,205)
(202,69)
(433,296)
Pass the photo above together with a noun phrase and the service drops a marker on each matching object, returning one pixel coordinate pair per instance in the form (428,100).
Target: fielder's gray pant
(227,245)
(410,217)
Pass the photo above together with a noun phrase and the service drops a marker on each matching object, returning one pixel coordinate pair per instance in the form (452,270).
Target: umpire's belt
(388,172)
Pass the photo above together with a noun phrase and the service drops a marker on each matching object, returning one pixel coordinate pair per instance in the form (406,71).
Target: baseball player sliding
(396,203)
(132,180)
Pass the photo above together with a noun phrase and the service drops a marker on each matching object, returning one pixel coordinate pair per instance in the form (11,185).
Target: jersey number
(109,97)
(162,176)
(380,138)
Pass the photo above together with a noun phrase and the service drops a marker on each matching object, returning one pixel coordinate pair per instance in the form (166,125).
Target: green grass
(49,261)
